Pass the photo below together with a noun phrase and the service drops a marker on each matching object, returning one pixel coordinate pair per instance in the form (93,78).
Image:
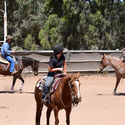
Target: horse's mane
(28,58)
(114,61)
(117,58)
(114,57)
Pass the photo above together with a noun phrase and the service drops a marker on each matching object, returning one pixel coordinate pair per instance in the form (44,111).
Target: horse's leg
(68,111)
(56,115)
(39,105)
(21,87)
(117,83)
(14,81)
(48,113)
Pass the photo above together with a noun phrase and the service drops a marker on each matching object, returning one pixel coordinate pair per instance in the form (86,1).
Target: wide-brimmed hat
(9,37)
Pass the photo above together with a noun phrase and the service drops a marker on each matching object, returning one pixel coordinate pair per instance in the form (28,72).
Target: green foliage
(17,48)
(28,42)
(34,47)
(44,40)
(83,24)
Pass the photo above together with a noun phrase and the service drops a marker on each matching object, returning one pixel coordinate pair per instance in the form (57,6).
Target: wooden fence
(85,62)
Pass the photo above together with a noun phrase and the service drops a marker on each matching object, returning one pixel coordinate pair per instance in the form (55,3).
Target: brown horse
(20,64)
(117,64)
(66,94)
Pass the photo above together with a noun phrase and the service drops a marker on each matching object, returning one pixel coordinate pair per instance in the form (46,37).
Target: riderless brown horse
(20,64)
(117,64)
(66,94)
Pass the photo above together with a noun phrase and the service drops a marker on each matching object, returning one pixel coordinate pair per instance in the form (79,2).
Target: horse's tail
(37,92)
(39,105)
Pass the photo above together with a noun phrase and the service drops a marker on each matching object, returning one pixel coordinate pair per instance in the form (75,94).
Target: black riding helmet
(58,48)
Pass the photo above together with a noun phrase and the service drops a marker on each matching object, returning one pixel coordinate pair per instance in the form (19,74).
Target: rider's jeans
(12,63)
(47,85)
(49,80)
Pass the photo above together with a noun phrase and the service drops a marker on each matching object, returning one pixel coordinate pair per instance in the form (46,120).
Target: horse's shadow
(117,94)
(2,92)
(14,92)
(120,94)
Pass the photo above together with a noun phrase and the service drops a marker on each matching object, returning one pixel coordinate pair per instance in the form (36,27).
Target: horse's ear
(38,61)
(104,55)
(77,75)
(69,77)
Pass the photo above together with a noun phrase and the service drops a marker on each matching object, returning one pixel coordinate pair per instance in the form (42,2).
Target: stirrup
(13,73)
(45,100)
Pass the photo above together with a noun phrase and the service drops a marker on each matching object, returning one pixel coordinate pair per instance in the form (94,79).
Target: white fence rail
(85,62)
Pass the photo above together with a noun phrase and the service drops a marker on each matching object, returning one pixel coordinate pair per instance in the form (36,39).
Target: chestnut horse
(66,94)
(20,64)
(117,64)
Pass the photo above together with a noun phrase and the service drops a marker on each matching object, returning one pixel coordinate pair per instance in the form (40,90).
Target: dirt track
(98,106)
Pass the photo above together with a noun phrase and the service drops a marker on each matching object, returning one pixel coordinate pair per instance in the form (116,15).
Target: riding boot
(45,91)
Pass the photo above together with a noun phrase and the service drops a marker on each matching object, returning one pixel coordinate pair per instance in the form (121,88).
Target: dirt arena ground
(98,106)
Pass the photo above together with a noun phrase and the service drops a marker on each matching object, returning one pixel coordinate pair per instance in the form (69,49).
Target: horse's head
(103,63)
(75,88)
(35,67)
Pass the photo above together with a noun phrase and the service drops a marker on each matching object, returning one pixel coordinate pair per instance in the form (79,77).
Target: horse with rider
(13,65)
(57,90)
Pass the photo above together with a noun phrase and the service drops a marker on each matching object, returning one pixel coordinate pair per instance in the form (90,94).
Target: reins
(70,87)
(62,100)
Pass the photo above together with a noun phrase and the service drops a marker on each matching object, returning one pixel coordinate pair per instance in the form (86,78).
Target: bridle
(34,67)
(75,99)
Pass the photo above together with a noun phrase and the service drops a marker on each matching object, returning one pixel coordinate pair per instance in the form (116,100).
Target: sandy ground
(98,106)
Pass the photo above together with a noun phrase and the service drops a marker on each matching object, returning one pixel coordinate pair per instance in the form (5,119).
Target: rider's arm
(6,49)
(51,69)
(64,69)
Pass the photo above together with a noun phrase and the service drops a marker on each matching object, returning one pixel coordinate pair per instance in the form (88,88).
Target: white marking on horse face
(77,85)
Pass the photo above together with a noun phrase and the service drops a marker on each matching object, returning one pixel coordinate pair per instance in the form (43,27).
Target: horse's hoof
(114,93)
(20,90)
(12,90)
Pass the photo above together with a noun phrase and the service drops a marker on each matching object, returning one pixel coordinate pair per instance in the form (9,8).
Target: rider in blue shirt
(57,65)
(6,51)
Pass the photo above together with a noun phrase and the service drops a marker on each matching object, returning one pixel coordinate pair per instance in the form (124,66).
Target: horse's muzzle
(35,73)
(76,100)
(101,69)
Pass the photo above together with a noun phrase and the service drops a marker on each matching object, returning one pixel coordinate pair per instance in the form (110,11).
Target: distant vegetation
(77,24)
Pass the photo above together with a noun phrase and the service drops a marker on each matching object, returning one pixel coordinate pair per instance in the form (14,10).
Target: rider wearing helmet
(57,65)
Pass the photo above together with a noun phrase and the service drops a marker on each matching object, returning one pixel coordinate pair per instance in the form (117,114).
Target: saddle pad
(55,84)
(41,82)
(53,87)
(2,60)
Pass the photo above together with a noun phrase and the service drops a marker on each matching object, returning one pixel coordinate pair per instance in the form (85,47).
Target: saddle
(4,61)
(54,84)
(17,61)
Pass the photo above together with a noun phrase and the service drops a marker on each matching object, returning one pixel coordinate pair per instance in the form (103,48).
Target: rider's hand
(60,69)
(13,51)
(65,73)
